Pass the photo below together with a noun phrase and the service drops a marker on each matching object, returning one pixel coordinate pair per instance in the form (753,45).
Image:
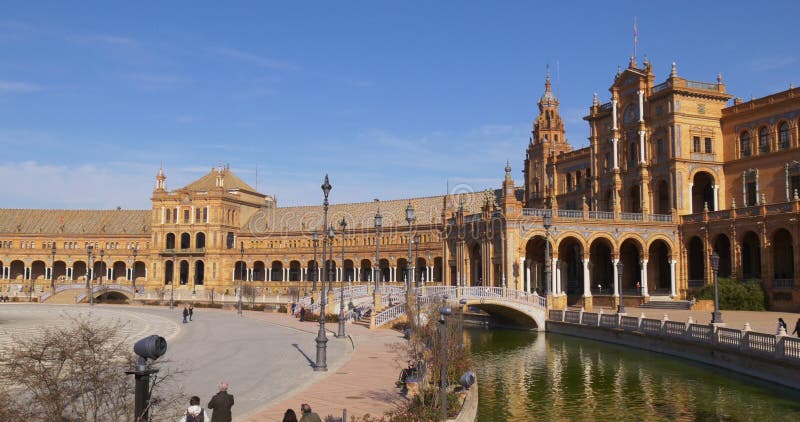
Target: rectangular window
(696,144)
(169,214)
(608,161)
(794,186)
(175,215)
(185,216)
(708,145)
(752,194)
(659,149)
(197,215)
(205,215)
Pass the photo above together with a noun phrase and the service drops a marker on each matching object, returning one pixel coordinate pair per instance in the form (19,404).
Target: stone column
(587,284)
(716,197)
(644,278)
(615,154)
(614,263)
(672,278)
(641,146)
(555,278)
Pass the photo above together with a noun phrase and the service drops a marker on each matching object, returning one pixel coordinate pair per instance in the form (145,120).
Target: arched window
(783,136)
(633,154)
(744,144)
(763,140)
(569,182)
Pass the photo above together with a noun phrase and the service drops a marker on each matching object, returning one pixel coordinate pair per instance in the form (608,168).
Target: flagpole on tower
(635,37)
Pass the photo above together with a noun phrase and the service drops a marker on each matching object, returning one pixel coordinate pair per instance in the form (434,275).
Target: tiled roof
(428,210)
(209,181)
(32,221)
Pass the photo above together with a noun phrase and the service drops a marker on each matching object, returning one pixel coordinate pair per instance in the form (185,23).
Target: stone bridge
(77,293)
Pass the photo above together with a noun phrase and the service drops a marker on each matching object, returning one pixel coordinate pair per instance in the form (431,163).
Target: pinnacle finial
(595,100)
(674,72)
(547,84)
(719,77)
(619,70)
(508,167)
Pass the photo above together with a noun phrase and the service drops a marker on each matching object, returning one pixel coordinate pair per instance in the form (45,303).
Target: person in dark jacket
(308,415)
(221,404)
(185,314)
(191,311)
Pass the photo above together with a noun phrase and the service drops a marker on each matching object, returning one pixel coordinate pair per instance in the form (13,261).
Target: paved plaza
(265,357)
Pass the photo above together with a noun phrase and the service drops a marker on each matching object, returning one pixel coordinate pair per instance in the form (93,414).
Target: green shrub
(748,295)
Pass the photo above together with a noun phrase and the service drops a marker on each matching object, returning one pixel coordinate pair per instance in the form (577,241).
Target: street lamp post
(133,268)
(410,217)
(241,279)
(89,268)
(416,258)
(53,268)
(444,311)
(322,339)
(332,269)
(102,266)
(172,283)
(621,306)
(716,317)
(315,270)
(547,222)
(342,223)
(377,272)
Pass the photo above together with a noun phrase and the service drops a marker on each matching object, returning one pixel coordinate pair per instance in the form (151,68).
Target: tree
(74,372)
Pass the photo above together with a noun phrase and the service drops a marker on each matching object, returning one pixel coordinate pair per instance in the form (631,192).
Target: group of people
(782,324)
(220,406)
(188,312)
(4,298)
(307,415)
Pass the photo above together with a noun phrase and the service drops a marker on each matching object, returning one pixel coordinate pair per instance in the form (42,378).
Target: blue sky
(391,99)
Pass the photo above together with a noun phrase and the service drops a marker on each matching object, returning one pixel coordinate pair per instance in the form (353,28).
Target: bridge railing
(776,346)
(390,314)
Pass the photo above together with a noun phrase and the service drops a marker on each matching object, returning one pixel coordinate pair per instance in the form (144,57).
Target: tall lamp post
(315,270)
(444,311)
(89,267)
(342,223)
(102,266)
(416,258)
(241,279)
(547,222)
(322,339)
(332,268)
(716,317)
(621,306)
(133,268)
(410,217)
(376,278)
(172,283)
(53,267)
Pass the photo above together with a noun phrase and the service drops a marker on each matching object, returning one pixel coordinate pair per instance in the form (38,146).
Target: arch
(745,148)
(505,314)
(186,241)
(570,266)
(169,272)
(601,266)
(533,272)
(294,271)
(385,271)
(438,269)
(609,200)
(38,270)
(476,266)
(119,270)
(696,262)
(402,268)
(630,255)
(200,240)
(421,270)
(199,272)
(330,267)
(311,274)
(240,271)
(276,271)
(722,246)
(99,271)
(658,267)
(661,196)
(59,271)
(702,192)
(139,270)
(170,241)
(184,272)
(79,270)
(259,271)
(366,270)
(349,270)
(751,256)
(782,256)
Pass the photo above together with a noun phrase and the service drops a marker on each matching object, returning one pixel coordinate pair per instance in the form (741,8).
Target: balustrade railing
(629,323)
(573,317)
(589,318)
(674,329)
(601,215)
(783,283)
(728,337)
(696,283)
(631,216)
(570,213)
(650,326)
(609,321)
(390,314)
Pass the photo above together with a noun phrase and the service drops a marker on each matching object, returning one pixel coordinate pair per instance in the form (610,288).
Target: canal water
(526,376)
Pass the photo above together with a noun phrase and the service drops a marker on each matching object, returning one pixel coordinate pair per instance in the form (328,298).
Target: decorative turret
(160,179)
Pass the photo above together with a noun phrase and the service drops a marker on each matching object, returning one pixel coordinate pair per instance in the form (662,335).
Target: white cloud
(254,58)
(765,64)
(15,87)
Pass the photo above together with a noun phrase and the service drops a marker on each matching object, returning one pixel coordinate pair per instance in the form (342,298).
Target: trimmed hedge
(748,295)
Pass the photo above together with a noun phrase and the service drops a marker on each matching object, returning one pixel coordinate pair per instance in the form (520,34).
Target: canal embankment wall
(770,357)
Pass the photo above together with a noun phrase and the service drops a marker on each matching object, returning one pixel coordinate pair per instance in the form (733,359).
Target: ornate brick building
(671,174)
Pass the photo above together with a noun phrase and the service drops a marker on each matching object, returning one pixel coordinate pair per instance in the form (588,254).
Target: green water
(525,376)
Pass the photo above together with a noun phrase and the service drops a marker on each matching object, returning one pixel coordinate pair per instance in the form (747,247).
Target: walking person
(185,314)
(221,404)
(289,416)
(302,313)
(191,311)
(195,413)
(781,323)
(797,328)
(308,415)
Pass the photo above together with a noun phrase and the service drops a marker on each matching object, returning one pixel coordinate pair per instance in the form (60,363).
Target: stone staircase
(66,296)
(666,303)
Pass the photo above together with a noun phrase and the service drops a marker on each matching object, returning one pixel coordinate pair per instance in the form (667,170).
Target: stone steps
(663,304)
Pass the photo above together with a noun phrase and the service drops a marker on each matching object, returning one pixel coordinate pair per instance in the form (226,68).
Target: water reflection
(527,376)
